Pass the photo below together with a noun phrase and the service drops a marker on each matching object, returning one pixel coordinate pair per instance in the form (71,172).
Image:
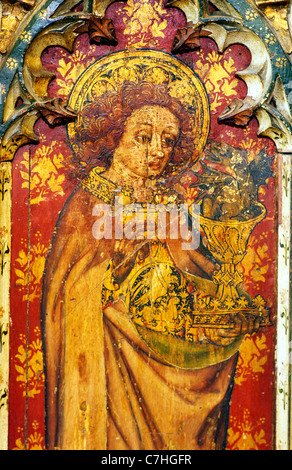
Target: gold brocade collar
(107,191)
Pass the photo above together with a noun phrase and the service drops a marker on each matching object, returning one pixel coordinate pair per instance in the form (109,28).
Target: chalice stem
(227,279)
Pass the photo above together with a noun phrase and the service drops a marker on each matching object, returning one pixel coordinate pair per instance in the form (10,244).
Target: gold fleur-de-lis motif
(33,264)
(33,361)
(246,434)
(34,441)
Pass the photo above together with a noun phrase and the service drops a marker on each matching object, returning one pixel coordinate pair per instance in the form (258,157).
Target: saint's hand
(243,325)
(124,256)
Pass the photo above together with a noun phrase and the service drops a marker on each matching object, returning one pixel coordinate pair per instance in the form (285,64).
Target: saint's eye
(143,138)
(168,141)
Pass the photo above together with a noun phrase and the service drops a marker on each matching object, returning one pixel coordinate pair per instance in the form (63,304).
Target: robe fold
(105,387)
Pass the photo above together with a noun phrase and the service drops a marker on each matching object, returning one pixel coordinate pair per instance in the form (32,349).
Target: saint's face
(148,140)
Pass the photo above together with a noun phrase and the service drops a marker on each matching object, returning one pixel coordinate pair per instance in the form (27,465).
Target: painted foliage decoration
(144,227)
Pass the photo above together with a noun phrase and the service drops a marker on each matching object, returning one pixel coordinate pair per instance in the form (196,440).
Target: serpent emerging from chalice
(229,213)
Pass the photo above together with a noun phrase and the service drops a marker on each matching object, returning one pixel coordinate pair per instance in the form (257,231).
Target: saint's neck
(121,176)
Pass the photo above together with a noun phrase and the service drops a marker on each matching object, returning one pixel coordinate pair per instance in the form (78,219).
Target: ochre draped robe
(105,388)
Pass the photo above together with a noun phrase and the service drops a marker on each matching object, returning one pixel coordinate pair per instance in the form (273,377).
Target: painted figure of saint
(125,368)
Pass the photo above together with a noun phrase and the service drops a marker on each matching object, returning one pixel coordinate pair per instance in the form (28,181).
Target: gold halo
(110,72)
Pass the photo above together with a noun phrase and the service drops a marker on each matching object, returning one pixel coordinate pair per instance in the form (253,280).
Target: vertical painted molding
(283,358)
(5,257)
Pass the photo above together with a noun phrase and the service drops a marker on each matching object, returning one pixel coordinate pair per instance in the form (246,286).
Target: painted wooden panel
(145,228)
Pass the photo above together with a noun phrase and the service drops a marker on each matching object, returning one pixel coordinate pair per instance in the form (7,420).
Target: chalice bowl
(227,242)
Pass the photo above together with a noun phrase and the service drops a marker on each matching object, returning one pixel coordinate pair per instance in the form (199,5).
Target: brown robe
(105,388)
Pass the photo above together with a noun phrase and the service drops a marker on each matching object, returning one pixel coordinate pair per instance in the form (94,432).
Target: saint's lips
(154,165)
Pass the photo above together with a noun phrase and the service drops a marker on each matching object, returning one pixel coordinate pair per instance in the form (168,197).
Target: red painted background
(35,211)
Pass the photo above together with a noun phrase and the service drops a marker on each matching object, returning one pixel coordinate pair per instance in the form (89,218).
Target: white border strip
(5,261)
(283,346)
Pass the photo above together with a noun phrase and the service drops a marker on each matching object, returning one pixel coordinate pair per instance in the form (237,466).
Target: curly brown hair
(101,125)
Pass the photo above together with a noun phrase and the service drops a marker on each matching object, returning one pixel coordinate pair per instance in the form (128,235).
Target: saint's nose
(155,148)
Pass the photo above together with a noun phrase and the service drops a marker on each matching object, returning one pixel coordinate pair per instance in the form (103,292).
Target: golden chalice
(227,242)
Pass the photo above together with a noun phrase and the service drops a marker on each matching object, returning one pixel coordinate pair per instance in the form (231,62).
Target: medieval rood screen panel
(145,226)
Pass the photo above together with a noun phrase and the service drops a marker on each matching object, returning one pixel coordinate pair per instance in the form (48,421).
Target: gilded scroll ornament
(10,17)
